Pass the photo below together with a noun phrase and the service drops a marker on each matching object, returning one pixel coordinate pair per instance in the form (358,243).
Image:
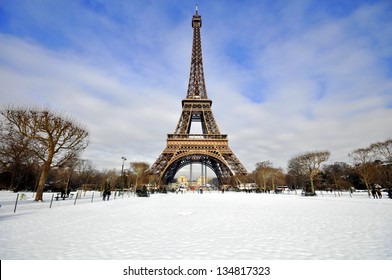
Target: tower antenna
(197,8)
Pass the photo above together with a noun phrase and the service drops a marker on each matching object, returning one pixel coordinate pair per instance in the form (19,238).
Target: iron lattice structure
(210,148)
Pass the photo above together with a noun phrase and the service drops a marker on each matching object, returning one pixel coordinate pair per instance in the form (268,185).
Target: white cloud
(122,119)
(325,89)
(321,86)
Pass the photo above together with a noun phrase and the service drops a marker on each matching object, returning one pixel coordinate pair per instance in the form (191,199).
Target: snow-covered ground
(194,226)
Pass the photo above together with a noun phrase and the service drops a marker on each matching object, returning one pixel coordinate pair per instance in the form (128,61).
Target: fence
(24,201)
(13,202)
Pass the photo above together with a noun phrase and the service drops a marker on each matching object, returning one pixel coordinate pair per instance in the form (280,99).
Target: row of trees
(39,149)
(78,174)
(309,171)
(374,164)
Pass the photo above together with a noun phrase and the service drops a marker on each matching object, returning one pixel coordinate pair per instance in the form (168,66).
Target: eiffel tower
(210,148)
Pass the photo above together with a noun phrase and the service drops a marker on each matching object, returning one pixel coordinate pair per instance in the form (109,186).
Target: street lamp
(122,173)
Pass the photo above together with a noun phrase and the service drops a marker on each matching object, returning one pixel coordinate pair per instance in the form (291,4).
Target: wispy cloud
(284,79)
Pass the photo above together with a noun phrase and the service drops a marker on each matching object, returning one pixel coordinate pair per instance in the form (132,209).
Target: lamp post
(122,173)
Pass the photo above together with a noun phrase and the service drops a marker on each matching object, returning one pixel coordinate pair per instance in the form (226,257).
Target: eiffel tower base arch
(210,150)
(221,171)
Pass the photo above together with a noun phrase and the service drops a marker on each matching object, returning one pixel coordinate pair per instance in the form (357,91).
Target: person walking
(379,194)
(106,192)
(374,192)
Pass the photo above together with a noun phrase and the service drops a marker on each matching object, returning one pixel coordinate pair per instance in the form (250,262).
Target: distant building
(183,180)
(202,180)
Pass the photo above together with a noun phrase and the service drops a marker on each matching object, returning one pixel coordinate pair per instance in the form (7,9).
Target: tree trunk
(44,174)
(41,183)
(312,184)
(12,183)
(137,177)
(68,181)
(368,188)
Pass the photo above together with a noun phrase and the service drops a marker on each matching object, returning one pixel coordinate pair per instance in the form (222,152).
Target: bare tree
(15,157)
(85,171)
(51,138)
(267,176)
(140,169)
(295,175)
(338,175)
(363,159)
(383,150)
(308,164)
(263,173)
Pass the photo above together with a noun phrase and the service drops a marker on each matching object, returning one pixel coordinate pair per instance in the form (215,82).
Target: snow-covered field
(194,226)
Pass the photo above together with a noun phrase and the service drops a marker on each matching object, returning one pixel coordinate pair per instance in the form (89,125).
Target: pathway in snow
(203,226)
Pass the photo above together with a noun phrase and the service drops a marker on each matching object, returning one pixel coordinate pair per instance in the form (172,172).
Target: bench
(71,194)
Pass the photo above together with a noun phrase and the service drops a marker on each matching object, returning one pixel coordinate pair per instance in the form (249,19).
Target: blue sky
(285,77)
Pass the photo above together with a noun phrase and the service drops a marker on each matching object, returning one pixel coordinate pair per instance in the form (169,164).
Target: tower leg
(205,175)
(202,177)
(190,176)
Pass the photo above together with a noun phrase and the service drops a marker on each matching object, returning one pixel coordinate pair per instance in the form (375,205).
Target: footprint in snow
(184,213)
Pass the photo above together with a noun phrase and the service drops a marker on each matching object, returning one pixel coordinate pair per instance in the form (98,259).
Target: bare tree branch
(51,138)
